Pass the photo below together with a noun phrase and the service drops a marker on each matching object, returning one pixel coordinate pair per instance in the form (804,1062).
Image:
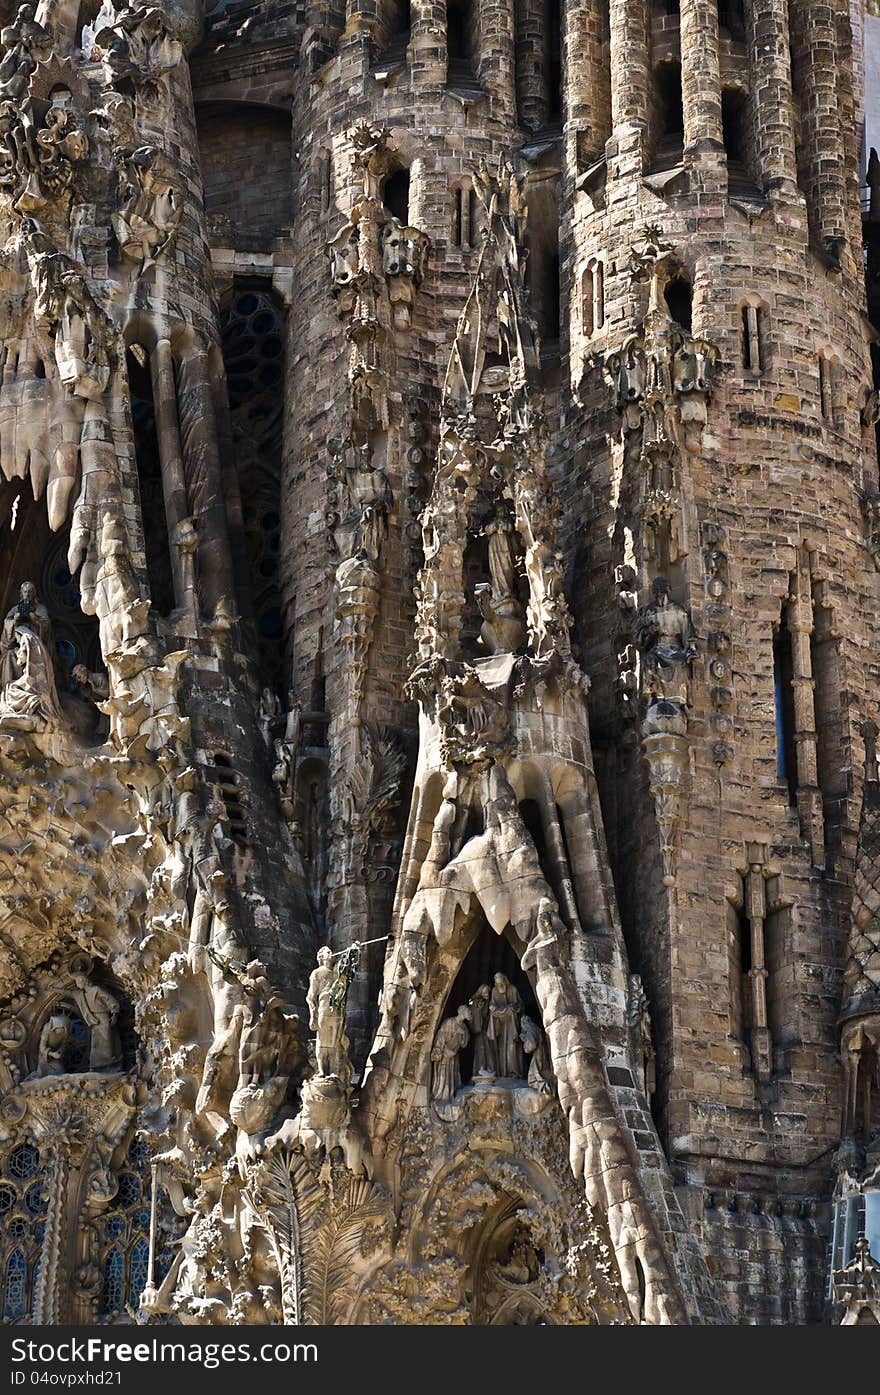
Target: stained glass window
(22,1206)
(15,1304)
(113,1289)
(125,1239)
(137,1270)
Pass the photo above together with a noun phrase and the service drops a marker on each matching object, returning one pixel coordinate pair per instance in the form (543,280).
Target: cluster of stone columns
(192,476)
(779,34)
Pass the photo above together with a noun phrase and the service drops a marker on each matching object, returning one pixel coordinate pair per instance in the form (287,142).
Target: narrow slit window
(783,674)
(752,338)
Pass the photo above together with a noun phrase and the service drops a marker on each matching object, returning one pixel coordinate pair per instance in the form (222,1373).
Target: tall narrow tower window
(149,469)
(588,315)
(593,298)
(732,20)
(753,325)
(461,42)
(395,195)
(783,673)
(734,106)
(325,179)
(465,231)
(679,302)
(669,113)
(553,61)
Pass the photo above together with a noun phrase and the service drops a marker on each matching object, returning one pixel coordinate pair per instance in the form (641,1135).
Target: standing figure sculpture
(668,643)
(505,1006)
(452,1037)
(27,673)
(327,1018)
(484,1046)
(99,1012)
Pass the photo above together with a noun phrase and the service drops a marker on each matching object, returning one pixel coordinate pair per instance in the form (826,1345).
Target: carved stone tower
(439,550)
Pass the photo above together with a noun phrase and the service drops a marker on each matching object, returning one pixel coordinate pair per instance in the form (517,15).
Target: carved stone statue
(534,1043)
(668,642)
(99,1012)
(327,1018)
(452,1037)
(484,1045)
(505,1006)
(27,674)
(54,1039)
(25,43)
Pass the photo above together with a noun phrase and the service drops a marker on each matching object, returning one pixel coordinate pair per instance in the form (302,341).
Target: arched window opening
(462,42)
(679,302)
(252,331)
(593,298)
(123,1236)
(490,954)
(395,195)
(753,336)
(732,20)
(783,674)
(149,470)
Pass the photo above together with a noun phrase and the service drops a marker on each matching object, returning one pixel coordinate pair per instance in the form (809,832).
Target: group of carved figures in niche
(29,689)
(507,1044)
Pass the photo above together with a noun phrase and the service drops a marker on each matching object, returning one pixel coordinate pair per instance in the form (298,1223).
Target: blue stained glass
(8,1197)
(139,1154)
(137,1270)
(76,1056)
(130,1190)
(39,1231)
(142,1217)
(35,1200)
(17,1228)
(115,1227)
(16,1283)
(114,1282)
(23,1161)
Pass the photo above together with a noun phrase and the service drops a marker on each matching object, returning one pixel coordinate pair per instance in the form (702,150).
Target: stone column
(496,62)
(586,88)
(630,78)
(530,84)
(204,476)
(701,83)
(427,43)
(799,620)
(171,459)
(772,109)
(814,36)
(362,18)
(756,909)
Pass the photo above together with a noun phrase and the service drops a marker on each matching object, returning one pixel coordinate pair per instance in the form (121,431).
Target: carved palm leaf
(285,1198)
(332,1250)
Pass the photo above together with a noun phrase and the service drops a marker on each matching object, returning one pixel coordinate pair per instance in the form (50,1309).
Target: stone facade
(440,544)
